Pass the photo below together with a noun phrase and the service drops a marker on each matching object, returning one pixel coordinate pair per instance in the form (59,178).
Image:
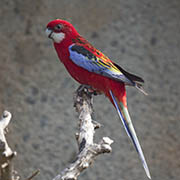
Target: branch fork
(88,150)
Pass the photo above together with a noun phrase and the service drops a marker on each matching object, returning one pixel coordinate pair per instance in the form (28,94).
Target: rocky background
(142,36)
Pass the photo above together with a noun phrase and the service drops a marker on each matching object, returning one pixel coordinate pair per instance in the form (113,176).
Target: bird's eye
(58,27)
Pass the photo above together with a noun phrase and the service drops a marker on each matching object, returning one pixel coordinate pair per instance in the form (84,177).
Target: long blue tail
(127,123)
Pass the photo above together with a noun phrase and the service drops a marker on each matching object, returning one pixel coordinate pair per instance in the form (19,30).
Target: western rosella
(90,66)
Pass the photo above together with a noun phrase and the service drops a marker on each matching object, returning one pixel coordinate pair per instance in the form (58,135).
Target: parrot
(89,66)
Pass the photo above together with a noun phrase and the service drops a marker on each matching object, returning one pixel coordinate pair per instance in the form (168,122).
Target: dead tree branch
(88,150)
(6,154)
(7,171)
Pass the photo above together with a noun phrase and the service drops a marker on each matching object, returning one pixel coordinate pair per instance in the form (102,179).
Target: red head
(58,30)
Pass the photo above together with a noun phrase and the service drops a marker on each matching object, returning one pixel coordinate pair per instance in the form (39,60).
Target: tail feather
(140,88)
(126,120)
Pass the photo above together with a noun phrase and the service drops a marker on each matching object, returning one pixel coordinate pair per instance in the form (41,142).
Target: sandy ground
(142,36)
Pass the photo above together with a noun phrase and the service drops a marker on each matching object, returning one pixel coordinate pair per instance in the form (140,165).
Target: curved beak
(49,32)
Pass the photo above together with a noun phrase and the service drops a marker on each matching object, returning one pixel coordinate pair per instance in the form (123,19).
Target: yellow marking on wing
(107,63)
(100,57)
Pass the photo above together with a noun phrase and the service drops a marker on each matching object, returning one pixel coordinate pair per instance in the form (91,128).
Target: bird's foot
(88,89)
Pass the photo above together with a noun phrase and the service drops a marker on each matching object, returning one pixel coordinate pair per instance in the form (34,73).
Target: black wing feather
(130,76)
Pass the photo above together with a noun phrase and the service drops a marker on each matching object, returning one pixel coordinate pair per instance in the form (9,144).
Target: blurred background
(141,36)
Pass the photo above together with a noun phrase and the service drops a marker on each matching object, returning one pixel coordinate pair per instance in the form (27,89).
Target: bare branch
(35,173)
(88,150)
(6,154)
(7,171)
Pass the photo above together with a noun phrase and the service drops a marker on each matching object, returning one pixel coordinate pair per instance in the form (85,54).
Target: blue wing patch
(87,60)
